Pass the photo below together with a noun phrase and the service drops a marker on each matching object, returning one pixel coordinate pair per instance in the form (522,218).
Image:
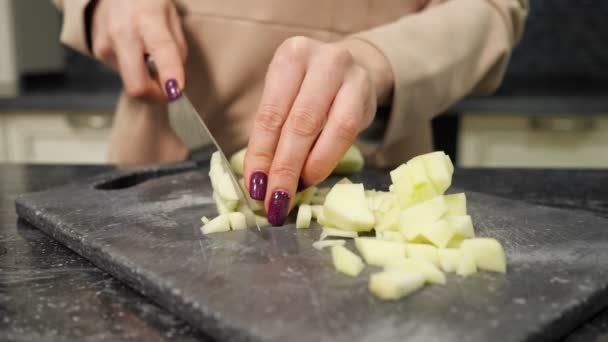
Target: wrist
(375,62)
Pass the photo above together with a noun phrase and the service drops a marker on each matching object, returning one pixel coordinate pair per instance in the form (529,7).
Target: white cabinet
(54,137)
(574,141)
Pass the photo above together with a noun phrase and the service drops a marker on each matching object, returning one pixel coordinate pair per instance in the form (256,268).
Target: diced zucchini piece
(417,175)
(248,213)
(316,211)
(379,252)
(388,202)
(219,224)
(305,196)
(449,164)
(352,162)
(457,204)
(438,172)
(224,207)
(488,254)
(393,285)
(449,259)
(439,233)
(345,208)
(389,235)
(237,160)
(333,232)
(389,221)
(323,191)
(344,180)
(368,193)
(204,219)
(327,243)
(462,225)
(304,216)
(398,174)
(432,273)
(216,159)
(317,199)
(261,221)
(346,261)
(467,265)
(237,221)
(415,219)
(455,242)
(418,251)
(226,188)
(321,219)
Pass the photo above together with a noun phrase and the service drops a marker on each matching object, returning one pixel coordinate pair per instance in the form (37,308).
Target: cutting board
(142,226)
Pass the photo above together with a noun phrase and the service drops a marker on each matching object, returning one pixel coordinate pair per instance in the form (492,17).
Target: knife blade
(194,133)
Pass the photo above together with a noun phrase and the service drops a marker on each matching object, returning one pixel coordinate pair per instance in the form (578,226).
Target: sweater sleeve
(444,52)
(73,31)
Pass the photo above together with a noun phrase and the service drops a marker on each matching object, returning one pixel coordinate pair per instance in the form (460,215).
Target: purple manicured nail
(257,185)
(301,185)
(172,89)
(278,209)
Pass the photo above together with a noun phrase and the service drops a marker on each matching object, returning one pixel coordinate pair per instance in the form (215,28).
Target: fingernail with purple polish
(257,185)
(172,89)
(278,209)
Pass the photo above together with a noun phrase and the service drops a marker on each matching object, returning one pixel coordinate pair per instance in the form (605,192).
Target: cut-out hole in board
(133,179)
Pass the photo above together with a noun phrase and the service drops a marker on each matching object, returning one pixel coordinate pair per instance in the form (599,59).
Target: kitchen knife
(194,133)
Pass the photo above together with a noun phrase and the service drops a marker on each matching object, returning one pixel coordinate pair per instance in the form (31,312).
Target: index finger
(161,45)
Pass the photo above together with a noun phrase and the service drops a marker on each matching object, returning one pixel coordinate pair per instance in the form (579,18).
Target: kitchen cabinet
(54,137)
(543,141)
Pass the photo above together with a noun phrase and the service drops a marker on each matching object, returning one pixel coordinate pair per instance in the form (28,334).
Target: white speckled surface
(276,287)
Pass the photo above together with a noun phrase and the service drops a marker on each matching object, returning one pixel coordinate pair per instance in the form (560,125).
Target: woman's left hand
(317,97)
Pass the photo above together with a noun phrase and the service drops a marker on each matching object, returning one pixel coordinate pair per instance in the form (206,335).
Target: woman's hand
(317,97)
(124,31)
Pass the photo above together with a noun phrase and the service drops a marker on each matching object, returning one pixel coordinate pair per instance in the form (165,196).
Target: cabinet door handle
(89,121)
(562,124)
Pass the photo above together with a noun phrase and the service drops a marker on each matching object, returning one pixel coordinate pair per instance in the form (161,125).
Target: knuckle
(285,172)
(347,129)
(337,55)
(293,49)
(362,78)
(269,118)
(117,29)
(259,156)
(102,49)
(162,46)
(306,123)
(137,90)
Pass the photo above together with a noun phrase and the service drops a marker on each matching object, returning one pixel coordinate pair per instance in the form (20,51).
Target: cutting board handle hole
(133,179)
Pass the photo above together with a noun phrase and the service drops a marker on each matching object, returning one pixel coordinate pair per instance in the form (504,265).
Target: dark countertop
(98,92)
(48,293)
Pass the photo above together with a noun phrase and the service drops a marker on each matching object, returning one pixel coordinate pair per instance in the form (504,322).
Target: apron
(230,44)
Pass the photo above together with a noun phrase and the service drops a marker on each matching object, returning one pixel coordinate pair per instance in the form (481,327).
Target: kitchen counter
(48,293)
(99,92)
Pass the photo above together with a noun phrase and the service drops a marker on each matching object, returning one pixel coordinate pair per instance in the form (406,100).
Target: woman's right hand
(123,32)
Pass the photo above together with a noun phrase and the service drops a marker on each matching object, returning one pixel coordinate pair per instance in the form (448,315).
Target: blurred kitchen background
(551,111)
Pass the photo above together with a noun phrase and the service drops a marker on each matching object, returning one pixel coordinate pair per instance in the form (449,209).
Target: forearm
(445,52)
(73,31)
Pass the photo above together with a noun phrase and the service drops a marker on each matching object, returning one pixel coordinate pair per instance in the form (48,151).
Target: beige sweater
(440,51)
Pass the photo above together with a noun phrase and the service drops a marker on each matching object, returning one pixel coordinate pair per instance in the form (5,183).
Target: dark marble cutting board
(142,227)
